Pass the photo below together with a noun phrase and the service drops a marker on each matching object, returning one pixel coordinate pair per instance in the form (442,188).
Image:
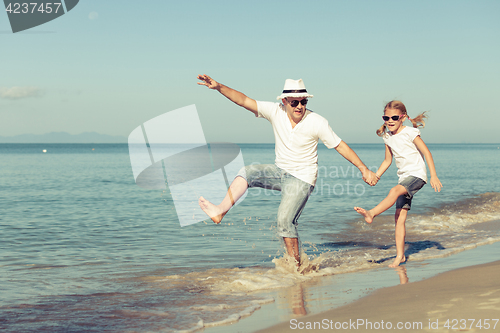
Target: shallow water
(85,249)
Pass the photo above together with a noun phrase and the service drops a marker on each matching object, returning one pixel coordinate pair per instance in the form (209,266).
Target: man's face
(295,113)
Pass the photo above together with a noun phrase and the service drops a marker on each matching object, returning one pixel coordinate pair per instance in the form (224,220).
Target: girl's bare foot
(215,213)
(368,216)
(397,261)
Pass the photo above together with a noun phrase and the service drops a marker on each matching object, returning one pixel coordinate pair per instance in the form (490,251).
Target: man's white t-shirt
(409,159)
(297,148)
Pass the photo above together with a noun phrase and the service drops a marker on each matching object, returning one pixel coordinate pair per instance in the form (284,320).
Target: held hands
(208,81)
(370,178)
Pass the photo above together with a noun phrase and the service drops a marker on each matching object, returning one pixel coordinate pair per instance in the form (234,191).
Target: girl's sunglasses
(395,118)
(295,102)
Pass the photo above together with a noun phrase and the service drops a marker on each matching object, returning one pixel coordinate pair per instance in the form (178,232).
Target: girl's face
(394,126)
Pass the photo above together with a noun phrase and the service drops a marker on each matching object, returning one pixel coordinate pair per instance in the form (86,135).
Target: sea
(83,248)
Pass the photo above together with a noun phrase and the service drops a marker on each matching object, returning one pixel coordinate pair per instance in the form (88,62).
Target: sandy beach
(465,299)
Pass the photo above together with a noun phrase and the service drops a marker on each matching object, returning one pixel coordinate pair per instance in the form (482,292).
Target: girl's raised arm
(386,163)
(422,147)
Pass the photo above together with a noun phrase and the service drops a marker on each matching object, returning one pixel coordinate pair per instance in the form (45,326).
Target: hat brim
(306,95)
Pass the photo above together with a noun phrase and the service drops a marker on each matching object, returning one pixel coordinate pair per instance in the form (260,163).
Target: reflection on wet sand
(403,277)
(297,300)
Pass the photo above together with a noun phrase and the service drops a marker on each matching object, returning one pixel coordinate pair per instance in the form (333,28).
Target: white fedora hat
(294,88)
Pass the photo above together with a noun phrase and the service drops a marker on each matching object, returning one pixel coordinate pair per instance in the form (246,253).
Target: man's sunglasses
(395,118)
(295,102)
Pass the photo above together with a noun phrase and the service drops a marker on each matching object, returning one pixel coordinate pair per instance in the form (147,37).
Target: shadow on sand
(411,247)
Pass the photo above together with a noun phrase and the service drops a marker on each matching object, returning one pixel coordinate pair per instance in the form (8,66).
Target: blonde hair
(418,121)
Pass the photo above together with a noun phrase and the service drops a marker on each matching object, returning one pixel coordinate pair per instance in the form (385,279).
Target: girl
(405,144)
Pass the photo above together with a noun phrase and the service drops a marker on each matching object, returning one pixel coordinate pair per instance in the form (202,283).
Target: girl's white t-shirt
(297,148)
(409,160)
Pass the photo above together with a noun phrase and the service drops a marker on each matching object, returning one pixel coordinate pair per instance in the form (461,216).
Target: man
(297,131)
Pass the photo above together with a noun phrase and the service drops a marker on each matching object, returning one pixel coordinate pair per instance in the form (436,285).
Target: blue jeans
(294,193)
(412,185)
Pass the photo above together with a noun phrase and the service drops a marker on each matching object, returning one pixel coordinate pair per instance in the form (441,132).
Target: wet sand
(453,288)
(462,299)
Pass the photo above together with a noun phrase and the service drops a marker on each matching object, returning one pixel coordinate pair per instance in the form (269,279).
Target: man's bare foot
(215,213)
(304,269)
(368,216)
(397,261)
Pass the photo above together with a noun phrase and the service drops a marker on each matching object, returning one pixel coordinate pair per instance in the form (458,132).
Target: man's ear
(284,101)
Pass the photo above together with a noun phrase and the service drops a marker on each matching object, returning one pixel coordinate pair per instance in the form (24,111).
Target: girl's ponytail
(381,130)
(418,121)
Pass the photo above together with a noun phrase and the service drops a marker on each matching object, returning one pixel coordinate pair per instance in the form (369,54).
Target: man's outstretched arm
(349,154)
(233,95)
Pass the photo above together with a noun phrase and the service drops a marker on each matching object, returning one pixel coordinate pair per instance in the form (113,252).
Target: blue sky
(109,66)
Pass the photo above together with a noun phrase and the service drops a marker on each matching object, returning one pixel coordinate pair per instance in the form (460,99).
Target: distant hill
(63,137)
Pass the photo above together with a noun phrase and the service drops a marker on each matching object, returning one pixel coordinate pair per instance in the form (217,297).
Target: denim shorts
(412,185)
(294,193)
